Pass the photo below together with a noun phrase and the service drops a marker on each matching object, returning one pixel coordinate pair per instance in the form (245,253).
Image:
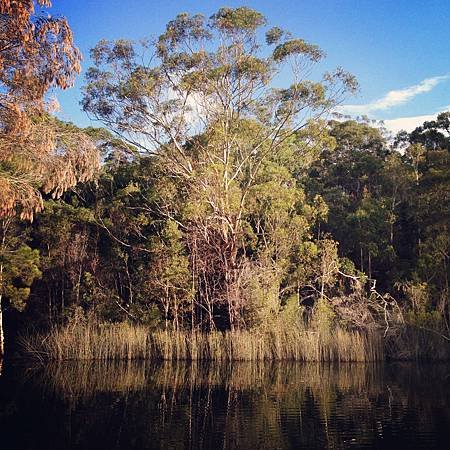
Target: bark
(2,345)
(2,337)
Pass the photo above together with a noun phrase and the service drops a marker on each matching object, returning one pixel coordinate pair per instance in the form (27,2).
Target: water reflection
(240,406)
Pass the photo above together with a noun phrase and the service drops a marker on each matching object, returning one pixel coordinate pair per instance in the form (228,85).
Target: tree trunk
(2,345)
(4,227)
(2,339)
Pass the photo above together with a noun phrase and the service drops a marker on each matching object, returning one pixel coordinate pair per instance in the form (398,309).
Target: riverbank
(91,340)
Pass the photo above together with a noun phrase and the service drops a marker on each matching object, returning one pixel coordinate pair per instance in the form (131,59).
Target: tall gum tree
(36,154)
(201,100)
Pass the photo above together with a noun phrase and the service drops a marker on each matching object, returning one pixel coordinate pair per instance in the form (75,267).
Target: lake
(240,406)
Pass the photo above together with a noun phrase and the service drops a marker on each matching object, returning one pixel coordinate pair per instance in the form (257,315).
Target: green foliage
(20,270)
(220,207)
(170,280)
(238,20)
(323,317)
(274,35)
(291,314)
(297,46)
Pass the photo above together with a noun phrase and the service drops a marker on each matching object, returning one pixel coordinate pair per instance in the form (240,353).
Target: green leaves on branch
(296,47)
(237,20)
(20,268)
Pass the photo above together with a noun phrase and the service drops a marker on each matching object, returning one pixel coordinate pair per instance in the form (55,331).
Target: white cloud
(410,123)
(394,98)
(407,123)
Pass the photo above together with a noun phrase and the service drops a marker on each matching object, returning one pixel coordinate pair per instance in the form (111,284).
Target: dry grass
(124,341)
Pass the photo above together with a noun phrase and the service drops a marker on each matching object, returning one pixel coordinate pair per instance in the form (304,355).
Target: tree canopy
(36,54)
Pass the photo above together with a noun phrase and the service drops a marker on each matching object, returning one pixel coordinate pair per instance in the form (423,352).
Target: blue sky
(399,50)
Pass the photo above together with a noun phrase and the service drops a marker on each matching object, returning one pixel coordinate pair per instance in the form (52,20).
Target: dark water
(244,406)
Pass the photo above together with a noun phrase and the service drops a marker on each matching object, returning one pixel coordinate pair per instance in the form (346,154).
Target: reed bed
(125,341)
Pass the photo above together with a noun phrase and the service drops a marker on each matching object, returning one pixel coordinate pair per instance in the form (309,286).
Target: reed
(125,341)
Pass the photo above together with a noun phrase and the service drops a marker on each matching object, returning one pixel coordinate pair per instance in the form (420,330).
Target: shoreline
(125,341)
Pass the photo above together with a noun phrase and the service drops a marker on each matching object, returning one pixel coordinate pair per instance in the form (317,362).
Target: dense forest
(209,200)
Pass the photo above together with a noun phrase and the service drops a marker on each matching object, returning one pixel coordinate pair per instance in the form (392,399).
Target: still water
(241,406)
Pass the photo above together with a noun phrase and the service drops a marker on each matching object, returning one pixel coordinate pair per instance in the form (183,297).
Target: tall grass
(124,341)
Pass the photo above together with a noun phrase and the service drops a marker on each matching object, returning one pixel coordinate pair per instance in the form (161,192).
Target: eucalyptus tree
(201,99)
(36,53)
(36,154)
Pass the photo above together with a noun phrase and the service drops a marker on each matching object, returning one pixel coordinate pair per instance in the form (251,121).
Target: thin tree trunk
(2,336)
(361,259)
(2,339)
(166,308)
(3,245)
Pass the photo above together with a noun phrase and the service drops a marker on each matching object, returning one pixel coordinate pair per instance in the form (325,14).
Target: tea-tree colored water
(241,406)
